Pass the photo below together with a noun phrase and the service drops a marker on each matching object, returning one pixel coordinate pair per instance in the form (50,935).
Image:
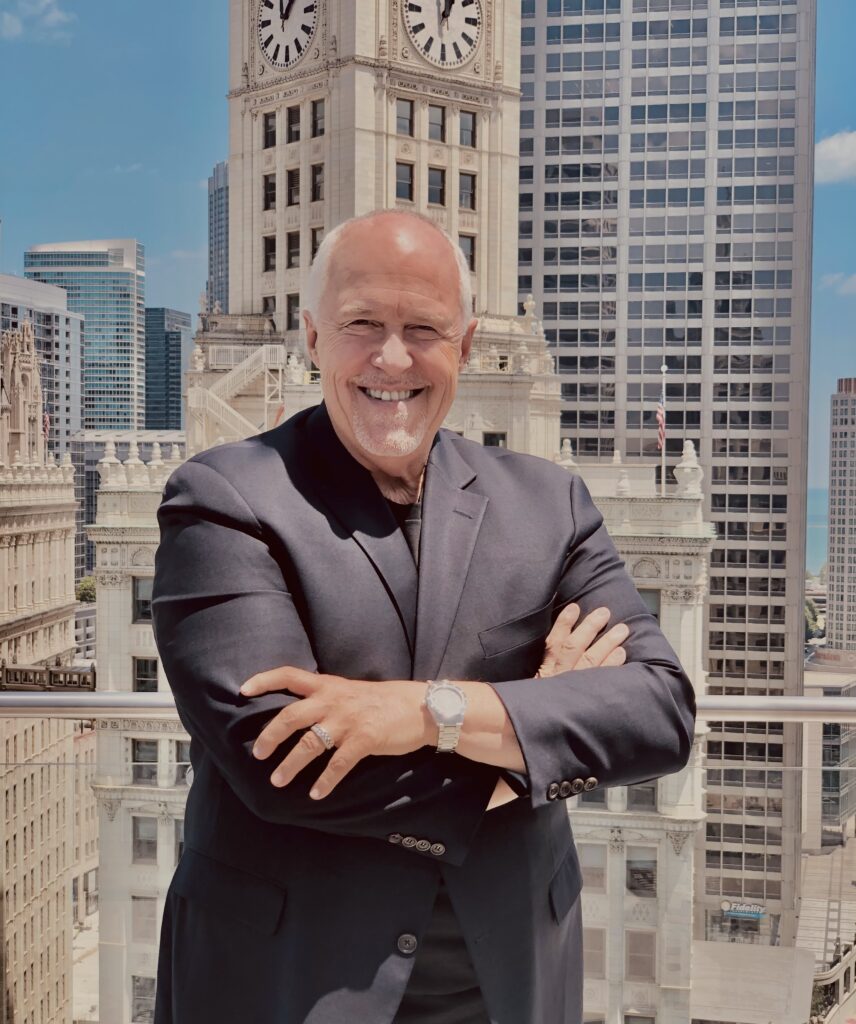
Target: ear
(467,342)
(311,338)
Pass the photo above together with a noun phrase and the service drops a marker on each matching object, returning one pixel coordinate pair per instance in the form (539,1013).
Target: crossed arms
(223,614)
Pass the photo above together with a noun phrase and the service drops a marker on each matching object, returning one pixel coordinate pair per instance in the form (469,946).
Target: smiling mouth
(390,396)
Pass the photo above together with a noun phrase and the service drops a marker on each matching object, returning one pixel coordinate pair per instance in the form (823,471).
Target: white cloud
(127,168)
(841,284)
(835,158)
(45,19)
(10,25)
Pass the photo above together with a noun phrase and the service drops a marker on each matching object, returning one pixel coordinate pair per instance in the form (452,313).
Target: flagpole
(663,371)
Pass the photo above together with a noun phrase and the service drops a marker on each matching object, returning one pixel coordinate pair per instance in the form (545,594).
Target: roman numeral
(264,24)
(285,56)
(458,53)
(268,41)
(419,27)
(309,8)
(269,4)
(471,21)
(276,53)
(467,39)
(429,44)
(442,52)
(416,8)
(466,3)
(307,29)
(298,47)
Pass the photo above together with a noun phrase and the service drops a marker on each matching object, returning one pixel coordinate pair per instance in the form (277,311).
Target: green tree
(85,590)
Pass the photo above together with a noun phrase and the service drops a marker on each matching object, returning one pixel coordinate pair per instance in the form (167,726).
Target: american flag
(661,419)
(46,426)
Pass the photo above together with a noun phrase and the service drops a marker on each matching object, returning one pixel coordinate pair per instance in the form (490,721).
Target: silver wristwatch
(447,703)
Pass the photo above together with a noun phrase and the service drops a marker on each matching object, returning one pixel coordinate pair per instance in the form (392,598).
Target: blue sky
(113,115)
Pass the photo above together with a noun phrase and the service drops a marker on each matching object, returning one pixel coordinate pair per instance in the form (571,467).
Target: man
(352,610)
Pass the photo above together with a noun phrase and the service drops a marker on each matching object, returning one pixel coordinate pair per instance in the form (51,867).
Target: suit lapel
(352,500)
(451,520)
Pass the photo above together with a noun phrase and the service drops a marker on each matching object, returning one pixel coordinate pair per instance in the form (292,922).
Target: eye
(362,323)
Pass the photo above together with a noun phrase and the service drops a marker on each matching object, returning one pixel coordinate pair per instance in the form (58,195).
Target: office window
(642,796)
(437,186)
(467,191)
(145,675)
(268,304)
(144,840)
(144,762)
(634,1018)
(404,117)
(182,762)
(317,182)
(317,113)
(292,249)
(316,235)
(142,1000)
(642,871)
(594,952)
(269,129)
(292,312)
(640,952)
(495,439)
(269,192)
(404,181)
(468,248)
(292,124)
(468,128)
(269,252)
(144,919)
(593,863)
(293,186)
(436,123)
(142,589)
(179,839)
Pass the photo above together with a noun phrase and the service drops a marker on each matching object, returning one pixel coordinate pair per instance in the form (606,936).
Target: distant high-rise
(105,281)
(168,345)
(841,565)
(217,288)
(666,155)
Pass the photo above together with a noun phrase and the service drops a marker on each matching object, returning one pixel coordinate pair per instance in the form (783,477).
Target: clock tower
(338,108)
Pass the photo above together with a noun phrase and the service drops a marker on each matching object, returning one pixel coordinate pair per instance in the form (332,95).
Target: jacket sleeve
(222,612)
(616,725)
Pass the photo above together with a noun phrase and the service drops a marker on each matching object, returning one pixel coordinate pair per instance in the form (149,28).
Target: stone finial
(616,456)
(622,486)
(295,368)
(218,309)
(198,359)
(520,362)
(156,459)
(529,313)
(689,473)
(491,362)
(109,467)
(135,468)
(67,468)
(565,456)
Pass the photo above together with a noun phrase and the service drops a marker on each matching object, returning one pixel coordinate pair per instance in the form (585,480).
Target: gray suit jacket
(281,550)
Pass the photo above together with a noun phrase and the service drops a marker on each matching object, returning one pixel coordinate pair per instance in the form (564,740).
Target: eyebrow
(355,311)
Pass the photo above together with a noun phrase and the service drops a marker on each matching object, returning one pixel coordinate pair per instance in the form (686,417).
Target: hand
(447,9)
(362,717)
(571,646)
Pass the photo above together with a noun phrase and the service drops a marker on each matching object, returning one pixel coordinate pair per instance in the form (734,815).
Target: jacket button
(423,846)
(577,786)
(552,790)
(409,842)
(406,943)
(395,837)
(565,789)
(590,784)
(438,849)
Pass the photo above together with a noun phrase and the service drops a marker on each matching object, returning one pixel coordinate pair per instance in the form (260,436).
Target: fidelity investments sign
(751,910)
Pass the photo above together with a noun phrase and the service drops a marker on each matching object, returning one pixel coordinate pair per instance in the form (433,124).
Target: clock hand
(447,9)
(288,7)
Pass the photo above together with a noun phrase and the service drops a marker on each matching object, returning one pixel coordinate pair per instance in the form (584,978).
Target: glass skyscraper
(665,220)
(168,345)
(217,288)
(105,281)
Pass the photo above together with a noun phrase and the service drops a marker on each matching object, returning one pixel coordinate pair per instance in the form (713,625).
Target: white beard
(402,437)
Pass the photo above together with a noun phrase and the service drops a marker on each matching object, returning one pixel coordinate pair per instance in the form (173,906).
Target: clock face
(445,32)
(286,28)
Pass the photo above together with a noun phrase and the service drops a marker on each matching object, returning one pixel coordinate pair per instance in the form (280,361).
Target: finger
(300,714)
(595,654)
(615,658)
(285,677)
(307,748)
(565,622)
(570,650)
(342,761)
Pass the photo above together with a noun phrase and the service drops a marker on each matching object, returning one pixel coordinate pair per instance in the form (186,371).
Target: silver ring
(323,735)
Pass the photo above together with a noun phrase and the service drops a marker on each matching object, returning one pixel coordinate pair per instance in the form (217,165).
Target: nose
(393,356)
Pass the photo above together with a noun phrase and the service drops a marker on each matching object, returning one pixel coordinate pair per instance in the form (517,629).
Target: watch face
(445,32)
(286,28)
(447,704)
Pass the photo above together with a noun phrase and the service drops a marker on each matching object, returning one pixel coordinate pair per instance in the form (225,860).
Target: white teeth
(389,396)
